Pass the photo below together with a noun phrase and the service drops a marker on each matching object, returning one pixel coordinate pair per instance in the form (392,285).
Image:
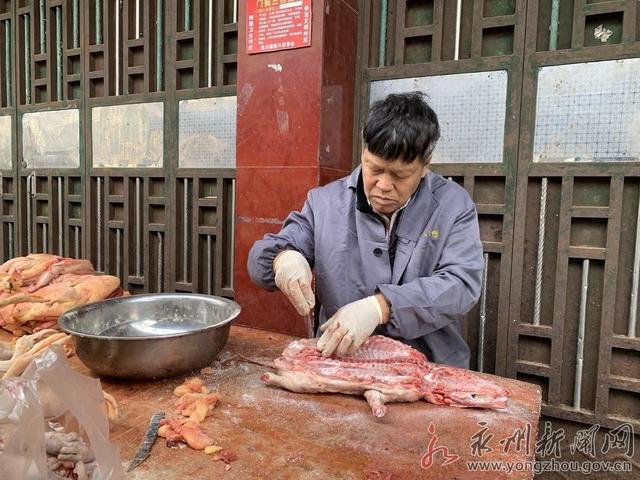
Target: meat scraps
(193,384)
(196,406)
(196,403)
(183,430)
(226,456)
(383,370)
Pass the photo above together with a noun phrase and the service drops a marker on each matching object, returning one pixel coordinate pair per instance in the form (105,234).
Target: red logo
(427,458)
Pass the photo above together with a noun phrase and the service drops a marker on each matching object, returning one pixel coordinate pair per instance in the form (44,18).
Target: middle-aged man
(396,248)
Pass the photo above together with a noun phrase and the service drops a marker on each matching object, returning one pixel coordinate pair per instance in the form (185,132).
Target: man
(396,248)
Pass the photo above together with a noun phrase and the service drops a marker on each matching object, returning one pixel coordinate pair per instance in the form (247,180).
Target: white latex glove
(293,278)
(350,327)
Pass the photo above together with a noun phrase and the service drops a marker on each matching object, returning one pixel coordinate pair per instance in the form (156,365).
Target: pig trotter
(376,402)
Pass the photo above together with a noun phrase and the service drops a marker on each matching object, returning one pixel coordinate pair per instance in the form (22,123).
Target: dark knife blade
(147,442)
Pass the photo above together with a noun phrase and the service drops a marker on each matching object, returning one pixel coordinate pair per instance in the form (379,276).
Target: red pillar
(294,132)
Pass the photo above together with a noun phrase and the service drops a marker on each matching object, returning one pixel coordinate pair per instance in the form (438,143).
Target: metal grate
(577,228)
(560,286)
(116,202)
(421,45)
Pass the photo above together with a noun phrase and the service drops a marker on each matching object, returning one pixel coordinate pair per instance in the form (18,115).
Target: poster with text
(278,25)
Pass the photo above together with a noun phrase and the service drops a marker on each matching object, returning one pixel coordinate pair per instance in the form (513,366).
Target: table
(278,434)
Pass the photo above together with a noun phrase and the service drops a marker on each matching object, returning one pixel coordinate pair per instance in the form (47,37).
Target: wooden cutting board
(279,434)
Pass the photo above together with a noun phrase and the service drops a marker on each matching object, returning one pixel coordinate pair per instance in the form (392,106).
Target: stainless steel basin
(150,336)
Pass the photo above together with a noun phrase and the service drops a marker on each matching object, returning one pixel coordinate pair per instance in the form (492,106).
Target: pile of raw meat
(35,290)
(383,370)
(195,403)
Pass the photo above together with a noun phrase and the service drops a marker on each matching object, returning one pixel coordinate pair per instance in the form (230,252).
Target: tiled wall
(295,110)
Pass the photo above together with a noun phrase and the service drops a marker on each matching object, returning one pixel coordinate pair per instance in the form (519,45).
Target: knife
(309,324)
(147,442)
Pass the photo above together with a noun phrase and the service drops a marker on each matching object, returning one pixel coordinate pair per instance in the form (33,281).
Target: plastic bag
(50,400)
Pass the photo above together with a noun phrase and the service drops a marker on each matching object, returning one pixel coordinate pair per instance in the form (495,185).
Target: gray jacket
(437,268)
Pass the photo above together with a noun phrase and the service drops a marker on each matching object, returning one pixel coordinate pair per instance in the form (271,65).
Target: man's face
(389,184)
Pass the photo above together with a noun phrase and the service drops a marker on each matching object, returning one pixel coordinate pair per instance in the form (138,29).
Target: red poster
(278,25)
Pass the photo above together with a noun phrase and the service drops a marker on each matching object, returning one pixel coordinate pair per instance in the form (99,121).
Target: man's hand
(293,278)
(351,326)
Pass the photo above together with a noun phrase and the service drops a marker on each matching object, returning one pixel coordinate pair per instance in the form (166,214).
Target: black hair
(402,126)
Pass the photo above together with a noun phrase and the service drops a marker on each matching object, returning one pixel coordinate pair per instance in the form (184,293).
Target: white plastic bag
(51,397)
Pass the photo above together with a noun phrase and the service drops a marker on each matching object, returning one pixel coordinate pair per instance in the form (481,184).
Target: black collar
(362,203)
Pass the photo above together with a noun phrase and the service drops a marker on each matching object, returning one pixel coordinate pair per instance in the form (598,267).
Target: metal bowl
(150,336)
